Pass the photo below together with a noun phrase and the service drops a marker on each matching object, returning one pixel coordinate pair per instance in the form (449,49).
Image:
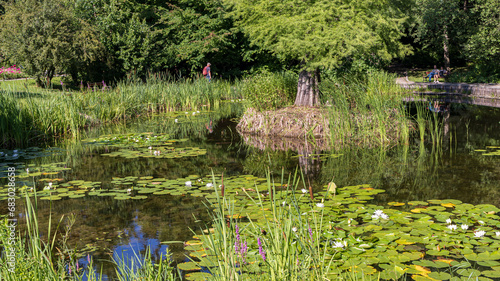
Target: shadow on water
(458,168)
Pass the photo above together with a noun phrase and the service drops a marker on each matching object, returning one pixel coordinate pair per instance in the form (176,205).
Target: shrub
(268,90)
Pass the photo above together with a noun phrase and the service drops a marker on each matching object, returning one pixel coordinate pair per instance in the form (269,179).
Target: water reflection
(419,171)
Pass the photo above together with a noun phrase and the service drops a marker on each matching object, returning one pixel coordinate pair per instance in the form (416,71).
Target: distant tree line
(92,40)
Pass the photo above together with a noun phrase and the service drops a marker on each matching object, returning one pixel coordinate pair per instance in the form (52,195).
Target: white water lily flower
(338,244)
(481,222)
(186,112)
(448,221)
(375,217)
(210,184)
(479,233)
(188,183)
(497,233)
(384,216)
(464,227)
(303,190)
(197,111)
(50,184)
(176,120)
(379,212)
(320,205)
(452,227)
(129,190)
(28,170)
(294,229)
(194,113)
(150,147)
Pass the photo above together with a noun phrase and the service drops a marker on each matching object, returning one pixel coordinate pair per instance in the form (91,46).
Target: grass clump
(366,111)
(269,90)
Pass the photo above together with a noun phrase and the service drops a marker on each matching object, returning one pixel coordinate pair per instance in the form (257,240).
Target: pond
(146,166)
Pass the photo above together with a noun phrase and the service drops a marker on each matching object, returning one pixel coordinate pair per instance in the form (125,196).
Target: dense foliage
(94,40)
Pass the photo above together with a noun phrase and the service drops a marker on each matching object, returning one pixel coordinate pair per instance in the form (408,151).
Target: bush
(267,90)
(12,72)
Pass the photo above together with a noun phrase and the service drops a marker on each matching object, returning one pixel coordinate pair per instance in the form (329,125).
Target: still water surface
(108,228)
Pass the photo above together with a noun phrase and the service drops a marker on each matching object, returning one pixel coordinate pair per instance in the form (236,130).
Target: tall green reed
(27,116)
(287,246)
(366,111)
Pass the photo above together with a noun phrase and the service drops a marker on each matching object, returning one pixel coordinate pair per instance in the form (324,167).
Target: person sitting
(433,73)
(443,72)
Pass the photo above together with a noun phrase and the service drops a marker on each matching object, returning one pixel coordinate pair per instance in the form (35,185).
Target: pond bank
(325,126)
(490,91)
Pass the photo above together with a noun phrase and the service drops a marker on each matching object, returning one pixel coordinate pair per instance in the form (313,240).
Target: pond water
(465,167)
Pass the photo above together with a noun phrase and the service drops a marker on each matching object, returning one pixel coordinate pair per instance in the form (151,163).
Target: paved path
(479,94)
(471,90)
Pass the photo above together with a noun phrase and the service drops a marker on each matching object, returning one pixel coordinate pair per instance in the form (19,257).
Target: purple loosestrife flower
(240,248)
(237,242)
(311,234)
(261,251)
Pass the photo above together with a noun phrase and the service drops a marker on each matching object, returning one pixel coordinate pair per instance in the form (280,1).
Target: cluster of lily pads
(26,154)
(145,145)
(52,186)
(424,240)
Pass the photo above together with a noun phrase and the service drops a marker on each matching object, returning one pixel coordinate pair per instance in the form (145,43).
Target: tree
(45,37)
(321,34)
(483,46)
(443,25)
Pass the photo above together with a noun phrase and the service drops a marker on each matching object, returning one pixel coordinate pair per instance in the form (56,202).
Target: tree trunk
(446,52)
(307,88)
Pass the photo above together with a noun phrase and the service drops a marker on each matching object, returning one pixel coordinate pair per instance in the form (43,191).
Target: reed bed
(367,111)
(26,116)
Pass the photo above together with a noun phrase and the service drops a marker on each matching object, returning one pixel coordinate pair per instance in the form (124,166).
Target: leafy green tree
(483,46)
(45,37)
(444,26)
(197,32)
(321,34)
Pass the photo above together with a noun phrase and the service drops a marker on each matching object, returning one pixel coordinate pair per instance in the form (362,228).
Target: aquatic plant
(339,235)
(367,111)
